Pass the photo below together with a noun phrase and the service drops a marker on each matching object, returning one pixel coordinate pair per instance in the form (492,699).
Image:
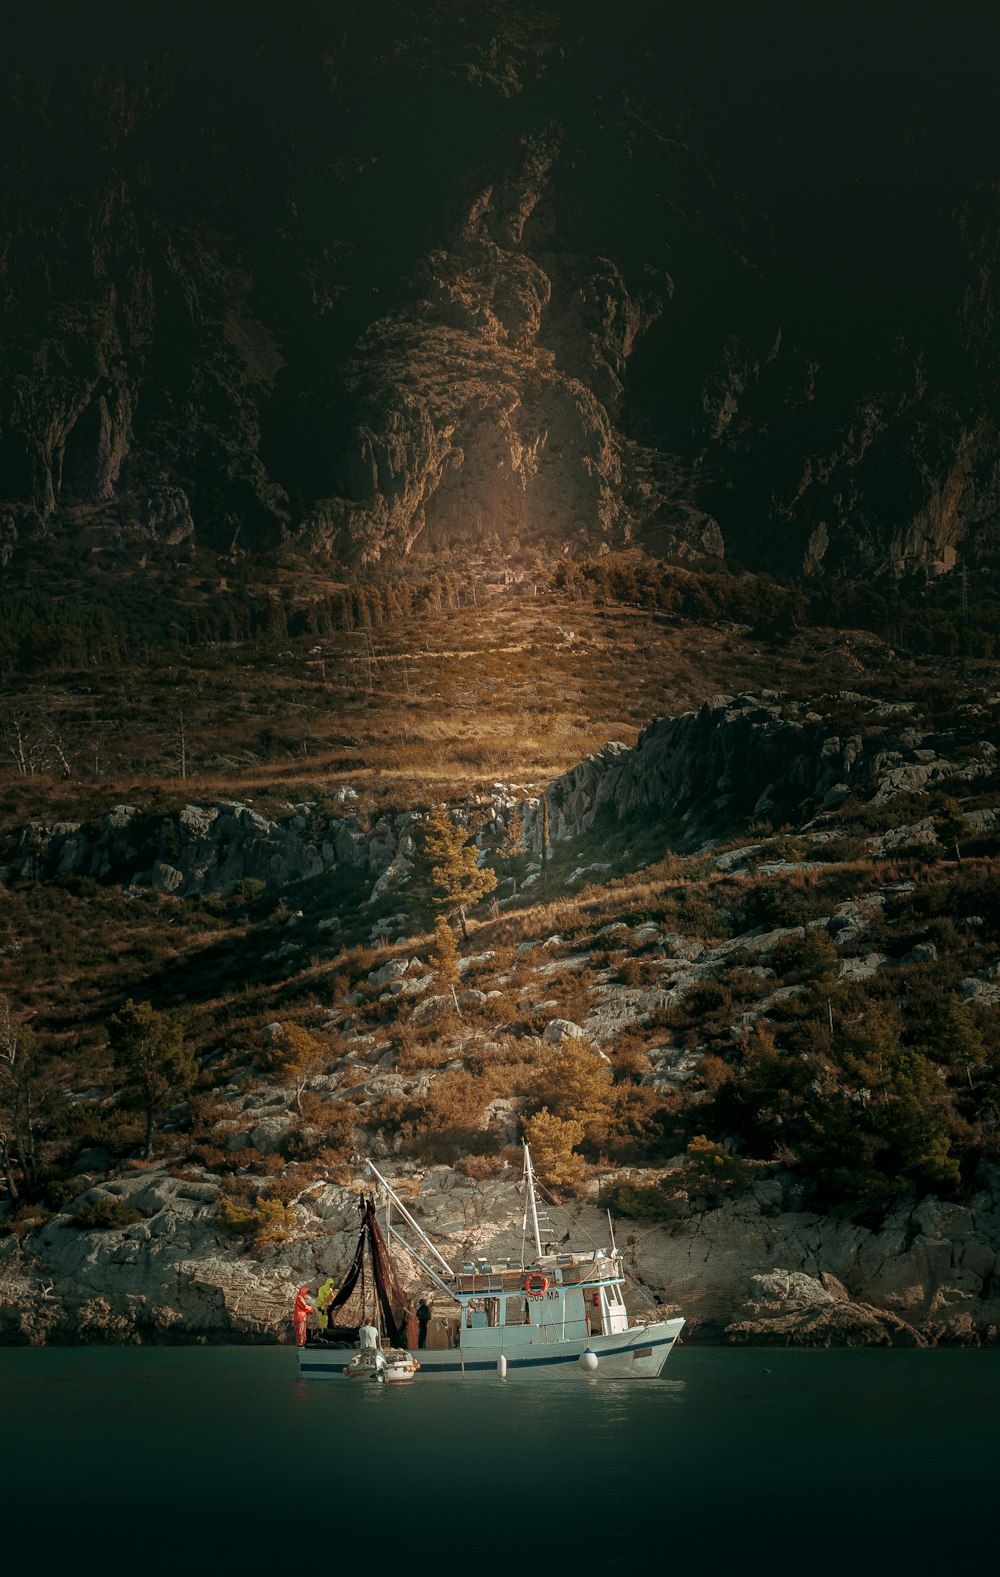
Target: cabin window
(482,1312)
(517,1310)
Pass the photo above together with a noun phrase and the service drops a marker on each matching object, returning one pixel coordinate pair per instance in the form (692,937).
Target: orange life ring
(536,1285)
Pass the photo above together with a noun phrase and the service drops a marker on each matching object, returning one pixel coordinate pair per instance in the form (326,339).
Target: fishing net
(371,1278)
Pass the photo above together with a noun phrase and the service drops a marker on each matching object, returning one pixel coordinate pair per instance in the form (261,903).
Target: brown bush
(387,1115)
(713,1072)
(480,1167)
(211,1156)
(635,971)
(629,1052)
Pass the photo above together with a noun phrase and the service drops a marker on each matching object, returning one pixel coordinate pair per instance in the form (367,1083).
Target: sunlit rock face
(456,272)
(485,409)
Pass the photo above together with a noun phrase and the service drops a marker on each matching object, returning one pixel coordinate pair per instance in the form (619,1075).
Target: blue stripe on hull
(470,1367)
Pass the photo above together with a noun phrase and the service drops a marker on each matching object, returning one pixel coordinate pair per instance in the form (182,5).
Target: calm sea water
(192,1460)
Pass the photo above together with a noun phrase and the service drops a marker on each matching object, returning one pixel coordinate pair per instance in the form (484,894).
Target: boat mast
(529,1178)
(418,1229)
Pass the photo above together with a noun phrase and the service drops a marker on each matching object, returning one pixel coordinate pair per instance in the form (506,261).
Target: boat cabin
(558,1297)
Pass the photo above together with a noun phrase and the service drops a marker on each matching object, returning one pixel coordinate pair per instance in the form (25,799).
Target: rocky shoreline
(751,1272)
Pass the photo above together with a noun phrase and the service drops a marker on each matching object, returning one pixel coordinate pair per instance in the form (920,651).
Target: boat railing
(485,1283)
(568,1271)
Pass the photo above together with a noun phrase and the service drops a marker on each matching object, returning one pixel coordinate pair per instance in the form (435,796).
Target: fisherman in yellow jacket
(324,1298)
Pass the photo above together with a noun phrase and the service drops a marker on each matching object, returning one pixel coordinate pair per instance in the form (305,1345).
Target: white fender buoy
(502,1367)
(588,1360)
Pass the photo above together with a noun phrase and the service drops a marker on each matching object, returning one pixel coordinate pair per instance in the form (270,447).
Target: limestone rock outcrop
(737,756)
(754,755)
(751,1271)
(788,1308)
(207,848)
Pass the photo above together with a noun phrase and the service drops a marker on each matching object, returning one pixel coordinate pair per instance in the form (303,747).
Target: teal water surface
(191,1460)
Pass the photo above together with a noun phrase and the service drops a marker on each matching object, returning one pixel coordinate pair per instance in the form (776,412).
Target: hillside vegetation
(669,1006)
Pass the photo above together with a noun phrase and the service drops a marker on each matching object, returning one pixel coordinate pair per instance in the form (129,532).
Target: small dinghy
(384,1366)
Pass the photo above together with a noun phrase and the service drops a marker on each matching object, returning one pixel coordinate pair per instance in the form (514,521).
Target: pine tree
(445,955)
(511,845)
(956,1039)
(576,1085)
(951,824)
(553,1142)
(456,877)
(545,840)
(298,1057)
(149,1049)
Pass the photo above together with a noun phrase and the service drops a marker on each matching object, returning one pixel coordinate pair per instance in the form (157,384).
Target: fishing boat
(553,1311)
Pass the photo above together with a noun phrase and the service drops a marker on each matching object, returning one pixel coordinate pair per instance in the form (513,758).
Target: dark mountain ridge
(720,284)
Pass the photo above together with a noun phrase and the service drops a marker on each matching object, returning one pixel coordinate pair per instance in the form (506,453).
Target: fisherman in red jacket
(300,1314)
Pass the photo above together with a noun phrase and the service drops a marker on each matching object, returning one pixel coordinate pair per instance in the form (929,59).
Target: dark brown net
(391,1297)
(356,1295)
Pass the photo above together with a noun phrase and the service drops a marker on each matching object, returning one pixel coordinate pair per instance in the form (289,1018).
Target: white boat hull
(638,1353)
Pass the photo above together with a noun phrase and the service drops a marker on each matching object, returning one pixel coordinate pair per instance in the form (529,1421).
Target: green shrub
(60,1191)
(644,1201)
(712,1174)
(248,889)
(105,1214)
(261,1224)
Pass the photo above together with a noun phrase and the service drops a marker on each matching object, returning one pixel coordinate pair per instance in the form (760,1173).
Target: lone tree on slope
(149,1050)
(445,956)
(511,845)
(456,877)
(298,1057)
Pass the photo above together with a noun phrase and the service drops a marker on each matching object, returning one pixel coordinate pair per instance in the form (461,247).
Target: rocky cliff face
(464,272)
(209,848)
(762,755)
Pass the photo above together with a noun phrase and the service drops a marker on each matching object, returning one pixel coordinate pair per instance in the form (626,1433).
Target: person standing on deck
(423,1320)
(300,1315)
(324,1298)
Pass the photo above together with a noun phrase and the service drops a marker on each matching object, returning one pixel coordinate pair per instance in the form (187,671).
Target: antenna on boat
(529,1178)
(418,1229)
(611,1229)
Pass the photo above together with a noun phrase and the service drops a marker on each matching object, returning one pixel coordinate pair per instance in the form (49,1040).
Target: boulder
(789,1308)
(560,1029)
(395,969)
